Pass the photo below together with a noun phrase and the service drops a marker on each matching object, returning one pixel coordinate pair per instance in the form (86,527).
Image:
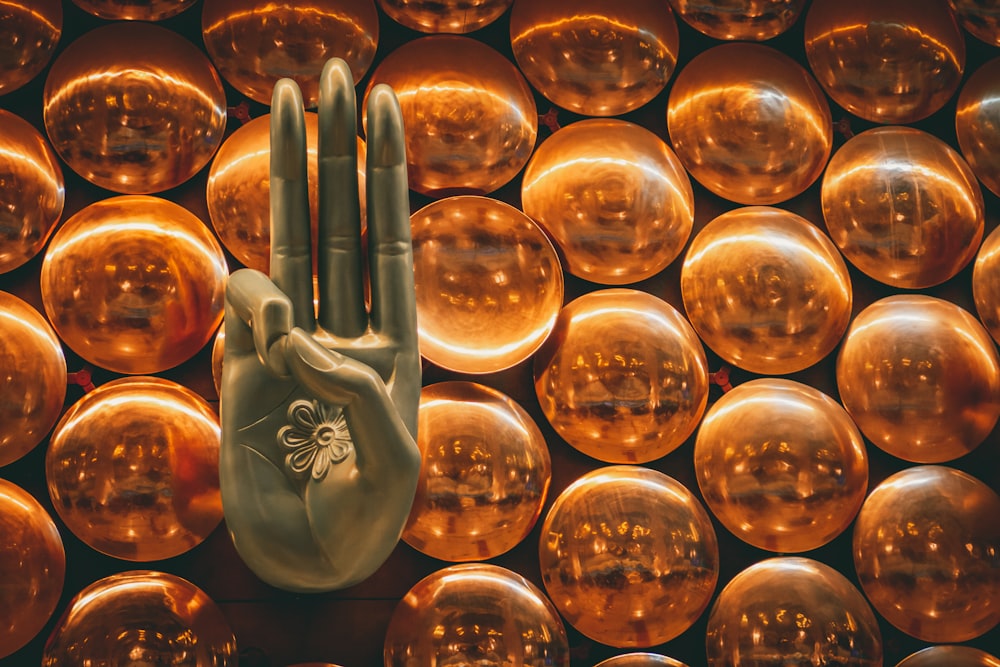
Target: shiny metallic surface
(134,10)
(613,196)
(892,61)
(239,190)
(986,284)
(921,378)
(34,28)
(451,16)
(134,107)
(592,57)
(629,556)
(903,206)
(133,469)
(32,567)
(925,550)
(134,284)
(792,611)
(949,656)
(766,290)
(475,614)
(32,378)
(489,284)
(751,20)
(623,377)
(977,123)
(980,17)
(142,617)
(33,191)
(749,123)
(484,475)
(469,114)
(256,42)
(781,465)
(640,660)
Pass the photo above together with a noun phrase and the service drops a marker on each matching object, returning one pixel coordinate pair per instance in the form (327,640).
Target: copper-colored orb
(218,353)
(903,206)
(749,123)
(134,284)
(256,42)
(613,196)
(134,10)
(949,656)
(484,477)
(32,567)
(142,617)
(133,469)
(921,378)
(980,17)
(593,57)
(977,123)
(925,550)
(986,283)
(628,556)
(475,614)
(792,611)
(488,281)
(134,107)
(33,190)
(892,61)
(239,189)
(781,465)
(470,116)
(451,16)
(33,31)
(752,20)
(766,290)
(640,660)
(623,377)
(32,378)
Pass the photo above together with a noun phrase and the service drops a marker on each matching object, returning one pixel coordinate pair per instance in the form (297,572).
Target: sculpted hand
(318,465)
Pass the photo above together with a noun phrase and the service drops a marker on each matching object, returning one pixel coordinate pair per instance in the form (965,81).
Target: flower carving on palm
(316,438)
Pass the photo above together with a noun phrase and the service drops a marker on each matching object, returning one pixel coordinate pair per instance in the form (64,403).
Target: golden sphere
(766,290)
(36,29)
(749,123)
(32,378)
(980,18)
(470,116)
(33,193)
(891,61)
(613,196)
(640,660)
(925,545)
(475,614)
(752,20)
(142,617)
(921,378)
(484,477)
(977,124)
(628,556)
(154,298)
(986,283)
(781,611)
(903,207)
(134,10)
(134,108)
(451,16)
(489,285)
(239,190)
(623,378)
(32,567)
(593,57)
(781,465)
(133,469)
(949,656)
(256,42)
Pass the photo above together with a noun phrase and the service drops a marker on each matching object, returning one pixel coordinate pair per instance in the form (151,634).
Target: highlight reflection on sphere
(623,377)
(640,660)
(133,469)
(925,545)
(628,556)
(613,196)
(749,123)
(134,10)
(37,27)
(752,20)
(484,477)
(451,16)
(949,656)
(986,283)
(921,378)
(977,118)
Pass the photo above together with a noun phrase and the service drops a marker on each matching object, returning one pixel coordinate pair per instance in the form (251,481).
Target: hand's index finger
(291,252)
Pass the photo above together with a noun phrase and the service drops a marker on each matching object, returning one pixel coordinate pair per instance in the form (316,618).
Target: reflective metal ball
(451,16)
(752,20)
(949,656)
(977,123)
(33,31)
(134,10)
